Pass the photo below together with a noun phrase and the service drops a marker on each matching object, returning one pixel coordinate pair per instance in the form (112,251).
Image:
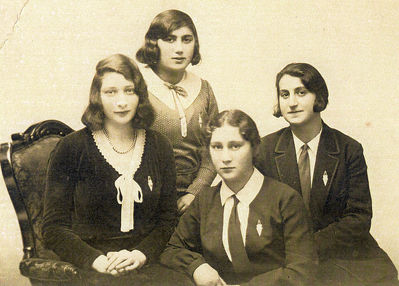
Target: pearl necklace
(113,147)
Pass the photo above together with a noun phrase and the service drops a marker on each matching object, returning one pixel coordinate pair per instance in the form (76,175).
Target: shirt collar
(248,193)
(313,144)
(190,82)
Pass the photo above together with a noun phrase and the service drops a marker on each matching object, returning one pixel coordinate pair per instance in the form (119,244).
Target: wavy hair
(310,78)
(93,117)
(236,118)
(161,27)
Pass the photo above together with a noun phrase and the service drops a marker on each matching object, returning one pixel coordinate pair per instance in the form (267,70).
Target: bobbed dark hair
(310,78)
(93,117)
(236,118)
(160,28)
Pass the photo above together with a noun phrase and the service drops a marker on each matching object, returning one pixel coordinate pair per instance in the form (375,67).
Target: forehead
(114,79)
(226,133)
(290,82)
(182,31)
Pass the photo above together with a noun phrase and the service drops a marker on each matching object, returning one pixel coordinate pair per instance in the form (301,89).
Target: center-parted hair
(310,78)
(94,116)
(161,27)
(236,118)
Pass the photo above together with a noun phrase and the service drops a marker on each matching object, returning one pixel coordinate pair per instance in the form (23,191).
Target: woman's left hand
(124,260)
(184,202)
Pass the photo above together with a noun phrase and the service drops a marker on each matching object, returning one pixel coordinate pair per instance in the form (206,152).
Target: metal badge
(325,178)
(150,183)
(259,227)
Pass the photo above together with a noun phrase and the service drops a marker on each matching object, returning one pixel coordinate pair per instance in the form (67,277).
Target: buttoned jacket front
(340,201)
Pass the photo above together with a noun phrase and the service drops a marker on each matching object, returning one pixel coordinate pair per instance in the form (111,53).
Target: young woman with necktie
(247,230)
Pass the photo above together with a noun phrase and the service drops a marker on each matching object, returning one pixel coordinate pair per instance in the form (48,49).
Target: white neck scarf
(128,190)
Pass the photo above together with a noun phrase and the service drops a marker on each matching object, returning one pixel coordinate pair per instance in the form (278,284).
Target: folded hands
(119,262)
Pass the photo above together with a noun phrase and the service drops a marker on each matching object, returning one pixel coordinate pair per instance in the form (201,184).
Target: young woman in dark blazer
(247,230)
(331,176)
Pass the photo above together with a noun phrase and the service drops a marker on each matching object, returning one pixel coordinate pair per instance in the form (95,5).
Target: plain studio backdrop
(49,50)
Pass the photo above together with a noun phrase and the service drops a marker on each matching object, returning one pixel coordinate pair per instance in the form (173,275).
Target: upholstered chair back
(29,167)
(24,166)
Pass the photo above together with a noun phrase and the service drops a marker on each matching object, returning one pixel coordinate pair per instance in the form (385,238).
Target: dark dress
(82,217)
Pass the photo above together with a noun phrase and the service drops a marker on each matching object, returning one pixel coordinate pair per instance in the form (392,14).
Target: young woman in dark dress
(110,202)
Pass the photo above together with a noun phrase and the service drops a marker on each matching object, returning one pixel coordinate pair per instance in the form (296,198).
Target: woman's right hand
(100,264)
(205,275)
(125,260)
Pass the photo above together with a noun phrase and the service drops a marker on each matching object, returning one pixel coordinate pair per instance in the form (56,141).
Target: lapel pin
(259,227)
(325,178)
(200,121)
(150,183)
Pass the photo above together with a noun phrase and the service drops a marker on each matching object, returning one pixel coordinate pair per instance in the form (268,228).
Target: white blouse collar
(191,83)
(248,193)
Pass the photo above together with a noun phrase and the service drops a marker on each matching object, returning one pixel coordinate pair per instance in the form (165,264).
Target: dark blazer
(340,201)
(280,255)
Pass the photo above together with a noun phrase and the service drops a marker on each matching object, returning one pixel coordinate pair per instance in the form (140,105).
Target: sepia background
(49,49)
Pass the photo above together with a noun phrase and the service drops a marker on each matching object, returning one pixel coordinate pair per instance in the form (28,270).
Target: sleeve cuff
(194,265)
(90,259)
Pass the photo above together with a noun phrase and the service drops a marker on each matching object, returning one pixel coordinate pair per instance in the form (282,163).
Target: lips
(122,112)
(179,58)
(227,169)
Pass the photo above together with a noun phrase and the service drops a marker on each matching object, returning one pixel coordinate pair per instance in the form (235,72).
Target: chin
(180,67)
(294,121)
(229,177)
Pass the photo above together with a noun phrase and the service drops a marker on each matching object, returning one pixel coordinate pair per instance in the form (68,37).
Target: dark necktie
(304,174)
(239,257)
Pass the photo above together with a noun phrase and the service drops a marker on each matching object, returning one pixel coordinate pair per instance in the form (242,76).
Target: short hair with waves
(236,118)
(310,78)
(161,27)
(93,117)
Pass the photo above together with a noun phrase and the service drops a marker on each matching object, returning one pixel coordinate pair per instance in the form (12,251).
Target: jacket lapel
(325,168)
(285,160)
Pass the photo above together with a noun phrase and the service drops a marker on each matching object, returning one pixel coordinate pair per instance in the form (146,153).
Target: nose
(226,156)
(121,100)
(292,101)
(179,47)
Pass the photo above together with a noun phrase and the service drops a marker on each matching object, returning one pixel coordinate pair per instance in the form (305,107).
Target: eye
(216,147)
(130,91)
(302,91)
(110,92)
(235,147)
(169,39)
(187,39)
(284,94)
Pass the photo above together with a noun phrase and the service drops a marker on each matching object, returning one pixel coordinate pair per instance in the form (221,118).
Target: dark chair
(24,164)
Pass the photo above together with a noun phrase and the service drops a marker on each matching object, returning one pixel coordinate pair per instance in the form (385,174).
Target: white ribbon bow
(176,92)
(129,192)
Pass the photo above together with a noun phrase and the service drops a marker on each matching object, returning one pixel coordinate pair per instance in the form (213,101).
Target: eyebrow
(114,87)
(300,88)
(236,142)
